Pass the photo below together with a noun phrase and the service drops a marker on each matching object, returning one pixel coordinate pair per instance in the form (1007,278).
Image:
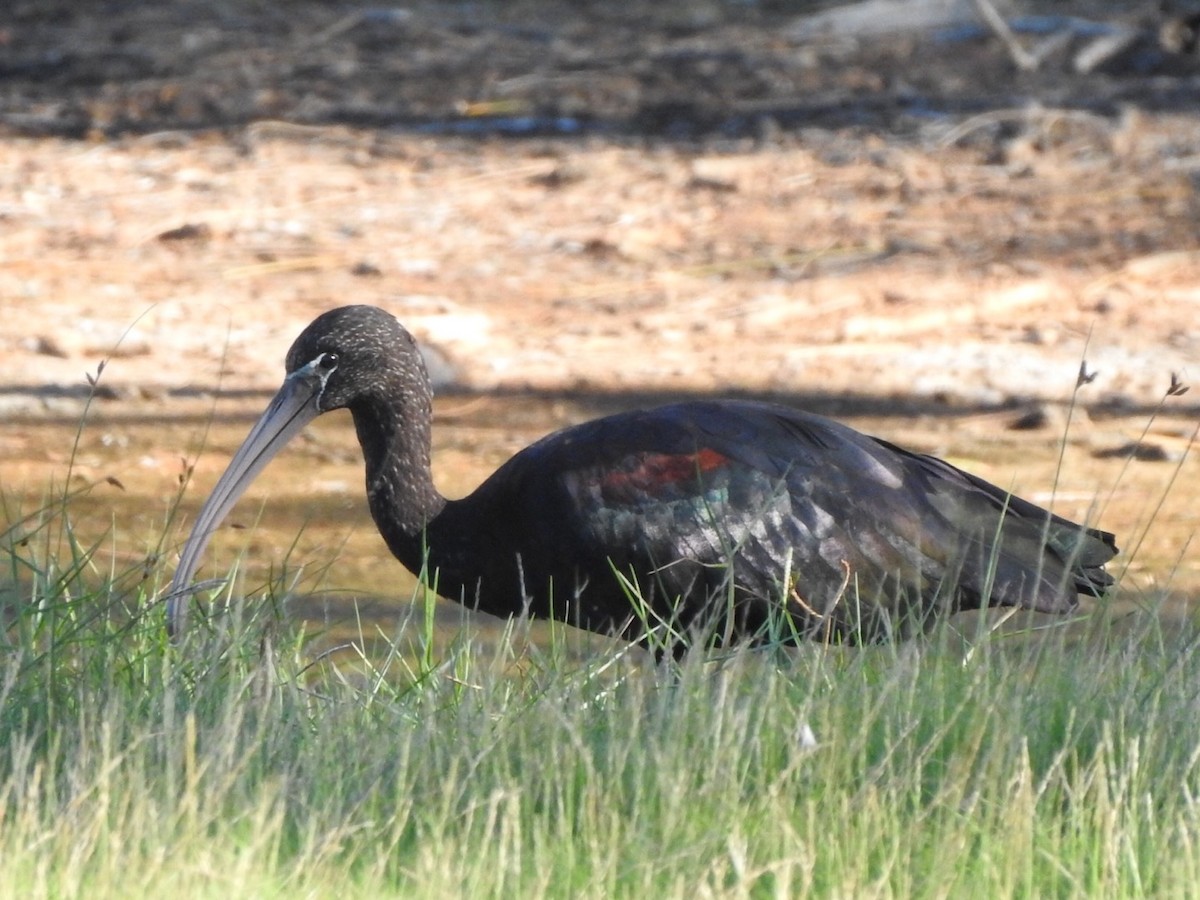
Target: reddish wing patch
(649,473)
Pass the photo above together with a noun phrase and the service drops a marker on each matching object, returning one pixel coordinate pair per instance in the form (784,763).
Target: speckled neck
(394,425)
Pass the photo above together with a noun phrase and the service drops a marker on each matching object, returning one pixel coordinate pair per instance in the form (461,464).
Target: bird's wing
(774,490)
(1001,549)
(1017,534)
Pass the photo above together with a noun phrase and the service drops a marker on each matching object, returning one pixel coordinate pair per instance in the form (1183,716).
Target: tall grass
(1034,765)
(974,762)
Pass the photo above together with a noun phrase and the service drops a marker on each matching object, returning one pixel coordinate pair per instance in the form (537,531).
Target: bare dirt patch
(710,205)
(574,201)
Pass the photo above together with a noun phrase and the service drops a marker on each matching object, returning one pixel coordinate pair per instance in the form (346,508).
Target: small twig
(365,16)
(276,267)
(823,617)
(1035,115)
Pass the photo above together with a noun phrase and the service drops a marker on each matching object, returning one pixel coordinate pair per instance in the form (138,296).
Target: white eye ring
(326,363)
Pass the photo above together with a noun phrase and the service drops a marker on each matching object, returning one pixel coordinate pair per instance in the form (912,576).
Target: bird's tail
(1087,550)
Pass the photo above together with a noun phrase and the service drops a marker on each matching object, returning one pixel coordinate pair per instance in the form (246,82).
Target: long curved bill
(293,407)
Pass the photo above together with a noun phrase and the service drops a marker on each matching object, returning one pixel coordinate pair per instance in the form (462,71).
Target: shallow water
(305,522)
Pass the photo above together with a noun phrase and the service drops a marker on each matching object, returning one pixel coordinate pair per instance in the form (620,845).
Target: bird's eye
(327,362)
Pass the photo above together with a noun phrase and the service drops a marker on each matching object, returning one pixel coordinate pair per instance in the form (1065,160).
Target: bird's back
(721,514)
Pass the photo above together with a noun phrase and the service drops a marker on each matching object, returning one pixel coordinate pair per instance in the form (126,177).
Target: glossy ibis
(712,520)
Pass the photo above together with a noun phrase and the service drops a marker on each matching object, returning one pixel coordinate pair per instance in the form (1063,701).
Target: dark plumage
(726,516)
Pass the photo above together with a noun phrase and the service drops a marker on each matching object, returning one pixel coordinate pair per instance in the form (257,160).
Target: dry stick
(275,267)
(1024,115)
(1024,60)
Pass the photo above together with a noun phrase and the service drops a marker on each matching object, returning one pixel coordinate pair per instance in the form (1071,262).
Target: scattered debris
(560,176)
(870,19)
(46,345)
(1039,416)
(364,269)
(1142,451)
(191,231)
(716,185)
(1086,44)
